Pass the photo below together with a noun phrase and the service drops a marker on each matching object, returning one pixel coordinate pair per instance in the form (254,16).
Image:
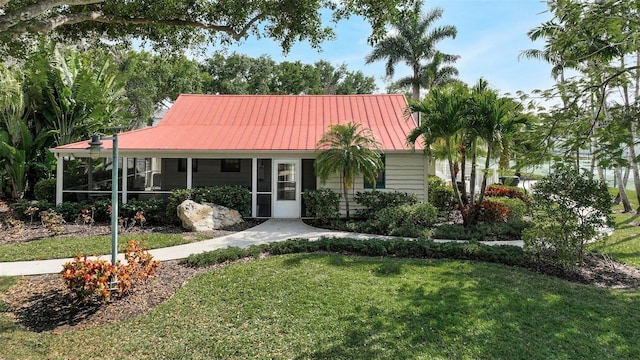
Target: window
(182,165)
(380,179)
(230,165)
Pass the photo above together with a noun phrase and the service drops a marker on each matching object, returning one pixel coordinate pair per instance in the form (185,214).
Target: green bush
(69,210)
(517,208)
(322,204)
(440,195)
(152,209)
(568,209)
(420,248)
(20,209)
(230,196)
(176,198)
(101,211)
(374,201)
(45,190)
(510,230)
(220,256)
(406,220)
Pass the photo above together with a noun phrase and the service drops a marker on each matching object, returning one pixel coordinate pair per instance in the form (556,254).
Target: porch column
(189,172)
(59,178)
(125,177)
(254,187)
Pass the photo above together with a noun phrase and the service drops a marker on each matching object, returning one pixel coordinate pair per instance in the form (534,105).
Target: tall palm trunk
(487,163)
(345,192)
(463,174)
(456,192)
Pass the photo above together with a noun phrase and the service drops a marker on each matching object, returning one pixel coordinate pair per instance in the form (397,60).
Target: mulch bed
(42,303)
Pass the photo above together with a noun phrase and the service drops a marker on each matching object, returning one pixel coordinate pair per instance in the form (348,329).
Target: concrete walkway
(270,231)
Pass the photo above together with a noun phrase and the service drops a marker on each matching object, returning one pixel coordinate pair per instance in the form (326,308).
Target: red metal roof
(266,122)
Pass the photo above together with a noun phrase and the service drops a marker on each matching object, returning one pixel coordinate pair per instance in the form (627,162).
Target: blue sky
(491,34)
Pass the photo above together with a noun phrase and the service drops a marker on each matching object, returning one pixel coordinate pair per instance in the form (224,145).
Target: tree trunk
(472,179)
(485,172)
(463,174)
(634,164)
(345,192)
(621,191)
(456,192)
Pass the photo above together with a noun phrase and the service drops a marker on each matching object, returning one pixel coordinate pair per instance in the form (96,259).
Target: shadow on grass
(468,311)
(53,309)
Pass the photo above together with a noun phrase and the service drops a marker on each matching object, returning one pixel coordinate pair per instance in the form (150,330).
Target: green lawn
(339,307)
(92,245)
(321,306)
(624,244)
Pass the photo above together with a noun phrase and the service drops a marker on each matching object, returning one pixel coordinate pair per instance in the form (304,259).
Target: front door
(286,197)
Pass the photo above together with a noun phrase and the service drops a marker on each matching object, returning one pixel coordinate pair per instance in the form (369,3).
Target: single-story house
(264,142)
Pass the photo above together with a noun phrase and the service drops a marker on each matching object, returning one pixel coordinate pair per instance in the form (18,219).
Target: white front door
(286,197)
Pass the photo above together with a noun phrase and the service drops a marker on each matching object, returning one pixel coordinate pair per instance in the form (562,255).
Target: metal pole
(114,207)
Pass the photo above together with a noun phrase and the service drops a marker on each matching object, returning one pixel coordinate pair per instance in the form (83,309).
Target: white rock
(206,217)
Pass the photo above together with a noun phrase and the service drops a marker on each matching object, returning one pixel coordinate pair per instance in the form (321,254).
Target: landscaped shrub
(102,212)
(569,208)
(510,230)
(517,208)
(440,195)
(8,223)
(70,210)
(506,191)
(29,211)
(322,204)
(406,220)
(52,221)
(92,278)
(230,196)
(419,248)
(374,201)
(152,209)
(486,212)
(229,254)
(45,190)
(176,198)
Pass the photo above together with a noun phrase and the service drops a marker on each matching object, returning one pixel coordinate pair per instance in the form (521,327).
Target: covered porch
(276,182)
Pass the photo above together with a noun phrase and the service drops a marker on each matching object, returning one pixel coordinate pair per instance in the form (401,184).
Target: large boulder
(206,217)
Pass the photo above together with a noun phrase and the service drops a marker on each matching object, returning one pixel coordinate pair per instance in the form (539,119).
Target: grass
(340,307)
(624,244)
(92,245)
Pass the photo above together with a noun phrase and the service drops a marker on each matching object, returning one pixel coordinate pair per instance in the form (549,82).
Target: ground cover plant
(337,306)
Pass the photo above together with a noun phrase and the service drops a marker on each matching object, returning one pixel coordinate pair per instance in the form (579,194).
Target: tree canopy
(171,24)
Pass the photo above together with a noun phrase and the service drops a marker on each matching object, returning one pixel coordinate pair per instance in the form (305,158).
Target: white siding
(404,172)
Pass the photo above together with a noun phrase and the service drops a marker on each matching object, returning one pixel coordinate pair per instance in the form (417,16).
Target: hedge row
(421,248)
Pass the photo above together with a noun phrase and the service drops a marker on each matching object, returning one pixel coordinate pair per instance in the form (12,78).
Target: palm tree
(495,120)
(414,44)
(348,150)
(445,113)
(436,72)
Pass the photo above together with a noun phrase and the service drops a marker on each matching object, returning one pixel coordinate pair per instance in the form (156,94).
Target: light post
(95,145)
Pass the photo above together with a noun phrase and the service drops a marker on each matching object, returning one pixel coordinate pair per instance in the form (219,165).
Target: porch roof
(265,122)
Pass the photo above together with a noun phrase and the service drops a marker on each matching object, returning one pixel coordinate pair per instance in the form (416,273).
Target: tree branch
(48,25)
(9,20)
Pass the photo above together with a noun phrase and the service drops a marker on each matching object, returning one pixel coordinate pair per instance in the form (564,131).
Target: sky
(491,34)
